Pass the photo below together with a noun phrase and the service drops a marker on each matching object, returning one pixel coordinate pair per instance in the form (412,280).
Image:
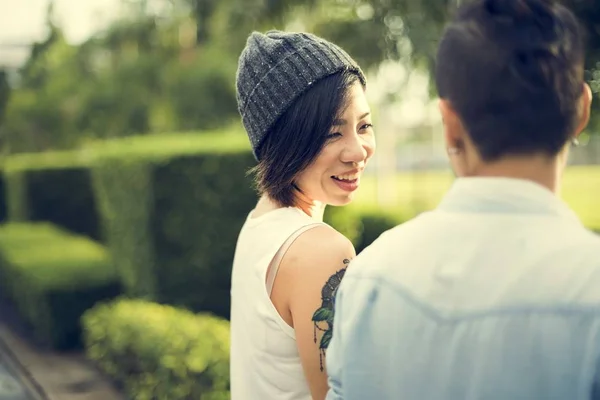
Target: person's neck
(314,210)
(539,169)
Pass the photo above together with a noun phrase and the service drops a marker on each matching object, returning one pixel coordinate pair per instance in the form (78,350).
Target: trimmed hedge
(159,352)
(52,187)
(16,197)
(346,220)
(172,217)
(373,224)
(2,199)
(52,277)
(362,227)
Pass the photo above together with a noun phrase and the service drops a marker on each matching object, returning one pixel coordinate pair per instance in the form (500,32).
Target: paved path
(57,376)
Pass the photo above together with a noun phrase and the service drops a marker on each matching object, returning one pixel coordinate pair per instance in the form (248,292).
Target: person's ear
(454,131)
(584,110)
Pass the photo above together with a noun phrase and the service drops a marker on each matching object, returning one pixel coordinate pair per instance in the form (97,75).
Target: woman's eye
(366,126)
(333,135)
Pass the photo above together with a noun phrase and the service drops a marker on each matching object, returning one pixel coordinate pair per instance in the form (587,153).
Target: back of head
(513,72)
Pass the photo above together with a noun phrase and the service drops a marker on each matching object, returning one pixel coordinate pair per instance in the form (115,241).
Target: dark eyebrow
(341,121)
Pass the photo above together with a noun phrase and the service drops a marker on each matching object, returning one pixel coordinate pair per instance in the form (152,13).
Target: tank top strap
(274,267)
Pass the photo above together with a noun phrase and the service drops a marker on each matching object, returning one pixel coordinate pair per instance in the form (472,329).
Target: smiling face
(334,176)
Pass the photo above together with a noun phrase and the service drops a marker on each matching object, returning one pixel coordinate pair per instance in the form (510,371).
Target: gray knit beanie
(277,67)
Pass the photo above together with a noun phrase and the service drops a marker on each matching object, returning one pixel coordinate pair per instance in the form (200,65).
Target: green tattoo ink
(325,313)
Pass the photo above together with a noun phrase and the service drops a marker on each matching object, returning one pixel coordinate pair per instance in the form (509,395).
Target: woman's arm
(314,265)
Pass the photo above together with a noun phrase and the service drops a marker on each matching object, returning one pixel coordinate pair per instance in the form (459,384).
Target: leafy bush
(52,187)
(373,225)
(2,199)
(159,352)
(15,196)
(345,220)
(362,227)
(169,207)
(172,211)
(52,277)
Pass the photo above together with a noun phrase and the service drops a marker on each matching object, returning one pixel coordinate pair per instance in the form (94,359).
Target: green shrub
(169,221)
(373,225)
(15,196)
(159,352)
(345,220)
(52,277)
(362,227)
(2,199)
(52,187)
(172,214)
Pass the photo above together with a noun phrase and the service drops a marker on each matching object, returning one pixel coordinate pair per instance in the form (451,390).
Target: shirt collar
(504,195)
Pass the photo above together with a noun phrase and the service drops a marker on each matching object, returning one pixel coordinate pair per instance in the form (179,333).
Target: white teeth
(347,177)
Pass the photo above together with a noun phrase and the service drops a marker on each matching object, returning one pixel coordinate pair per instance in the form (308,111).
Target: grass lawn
(411,193)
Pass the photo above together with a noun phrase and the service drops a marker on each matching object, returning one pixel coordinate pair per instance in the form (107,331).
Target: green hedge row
(52,277)
(159,352)
(361,227)
(61,196)
(52,187)
(2,199)
(172,218)
(169,208)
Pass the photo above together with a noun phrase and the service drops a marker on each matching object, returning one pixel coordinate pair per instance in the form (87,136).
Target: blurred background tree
(171,67)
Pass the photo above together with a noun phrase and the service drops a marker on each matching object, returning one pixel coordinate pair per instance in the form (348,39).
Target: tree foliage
(409,31)
(175,70)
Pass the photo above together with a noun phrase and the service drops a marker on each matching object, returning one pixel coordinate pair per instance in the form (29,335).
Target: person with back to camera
(494,294)
(303,105)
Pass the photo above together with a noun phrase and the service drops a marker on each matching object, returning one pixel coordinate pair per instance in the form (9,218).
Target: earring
(575,142)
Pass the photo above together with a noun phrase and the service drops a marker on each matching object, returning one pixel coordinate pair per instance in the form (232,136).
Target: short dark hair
(513,72)
(298,136)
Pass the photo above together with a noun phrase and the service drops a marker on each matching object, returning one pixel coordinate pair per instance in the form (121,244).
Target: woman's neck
(313,209)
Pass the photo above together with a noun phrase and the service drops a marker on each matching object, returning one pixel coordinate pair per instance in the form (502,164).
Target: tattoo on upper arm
(323,317)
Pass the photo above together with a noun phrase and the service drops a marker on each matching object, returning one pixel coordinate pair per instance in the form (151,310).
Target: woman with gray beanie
(303,105)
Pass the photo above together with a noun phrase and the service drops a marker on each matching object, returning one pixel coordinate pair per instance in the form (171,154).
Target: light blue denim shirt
(495,294)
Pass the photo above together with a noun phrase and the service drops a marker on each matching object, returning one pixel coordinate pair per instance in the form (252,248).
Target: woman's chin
(341,200)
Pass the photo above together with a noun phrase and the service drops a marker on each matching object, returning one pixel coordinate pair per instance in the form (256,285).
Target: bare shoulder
(321,247)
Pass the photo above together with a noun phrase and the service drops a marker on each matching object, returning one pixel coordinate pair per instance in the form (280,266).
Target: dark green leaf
(322,314)
(326,339)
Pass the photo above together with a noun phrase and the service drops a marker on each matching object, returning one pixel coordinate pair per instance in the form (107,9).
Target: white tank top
(265,364)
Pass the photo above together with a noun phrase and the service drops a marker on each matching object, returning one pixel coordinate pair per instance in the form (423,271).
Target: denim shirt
(495,294)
